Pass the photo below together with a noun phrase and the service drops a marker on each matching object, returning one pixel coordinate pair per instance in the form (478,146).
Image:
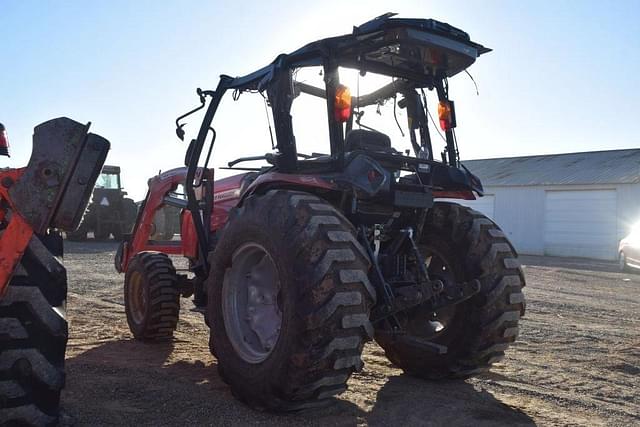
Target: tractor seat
(362,139)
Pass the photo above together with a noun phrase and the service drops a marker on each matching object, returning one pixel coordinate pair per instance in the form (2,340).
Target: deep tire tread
(33,340)
(333,305)
(159,275)
(494,313)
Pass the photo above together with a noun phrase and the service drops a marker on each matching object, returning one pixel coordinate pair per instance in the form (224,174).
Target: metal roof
(592,167)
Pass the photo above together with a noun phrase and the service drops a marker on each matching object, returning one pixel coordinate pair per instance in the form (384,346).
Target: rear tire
(128,216)
(317,282)
(33,339)
(79,235)
(130,213)
(117,233)
(478,331)
(151,296)
(101,234)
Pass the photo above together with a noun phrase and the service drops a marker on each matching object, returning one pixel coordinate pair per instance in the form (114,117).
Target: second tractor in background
(110,212)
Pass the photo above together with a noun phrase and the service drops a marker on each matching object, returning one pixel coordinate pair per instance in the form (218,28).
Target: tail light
(342,104)
(447,115)
(4,141)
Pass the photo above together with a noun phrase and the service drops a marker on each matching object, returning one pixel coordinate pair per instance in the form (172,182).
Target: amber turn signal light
(342,104)
(447,115)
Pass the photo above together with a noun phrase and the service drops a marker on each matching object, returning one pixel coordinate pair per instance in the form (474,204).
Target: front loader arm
(51,192)
(156,198)
(17,232)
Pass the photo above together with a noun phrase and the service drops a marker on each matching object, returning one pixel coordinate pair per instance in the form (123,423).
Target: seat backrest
(362,139)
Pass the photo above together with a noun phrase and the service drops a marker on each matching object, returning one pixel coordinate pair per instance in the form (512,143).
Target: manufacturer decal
(225,195)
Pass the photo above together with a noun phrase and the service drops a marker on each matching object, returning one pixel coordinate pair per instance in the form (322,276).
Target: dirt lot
(577,362)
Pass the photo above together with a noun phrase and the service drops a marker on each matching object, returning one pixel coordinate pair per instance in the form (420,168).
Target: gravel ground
(576,362)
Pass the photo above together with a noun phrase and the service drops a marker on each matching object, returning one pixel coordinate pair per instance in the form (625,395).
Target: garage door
(581,224)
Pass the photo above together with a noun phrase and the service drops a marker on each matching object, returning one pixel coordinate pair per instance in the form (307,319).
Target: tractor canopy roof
(414,49)
(111,169)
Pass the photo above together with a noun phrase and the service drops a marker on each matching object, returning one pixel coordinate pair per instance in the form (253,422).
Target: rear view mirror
(180,132)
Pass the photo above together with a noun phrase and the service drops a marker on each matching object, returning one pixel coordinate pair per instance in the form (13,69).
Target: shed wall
(520,212)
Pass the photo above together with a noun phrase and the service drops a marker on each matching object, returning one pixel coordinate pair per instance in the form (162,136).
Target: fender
(464,195)
(282,179)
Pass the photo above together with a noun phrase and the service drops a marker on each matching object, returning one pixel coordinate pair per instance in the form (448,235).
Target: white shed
(576,204)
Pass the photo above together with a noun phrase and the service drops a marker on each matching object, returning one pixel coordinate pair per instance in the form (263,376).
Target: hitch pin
(417,254)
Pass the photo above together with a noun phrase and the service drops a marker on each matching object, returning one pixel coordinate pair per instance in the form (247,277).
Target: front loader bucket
(51,192)
(55,188)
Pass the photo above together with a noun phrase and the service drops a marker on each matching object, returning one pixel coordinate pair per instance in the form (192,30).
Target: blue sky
(563,75)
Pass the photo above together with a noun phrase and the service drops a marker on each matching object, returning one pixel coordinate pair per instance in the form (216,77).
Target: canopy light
(342,104)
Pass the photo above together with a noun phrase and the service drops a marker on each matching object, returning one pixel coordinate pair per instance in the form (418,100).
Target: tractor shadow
(128,382)
(405,400)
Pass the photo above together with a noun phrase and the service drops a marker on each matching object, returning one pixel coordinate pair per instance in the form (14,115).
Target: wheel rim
(137,297)
(439,322)
(250,306)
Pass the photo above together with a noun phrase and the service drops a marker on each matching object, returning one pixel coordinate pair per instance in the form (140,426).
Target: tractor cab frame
(416,53)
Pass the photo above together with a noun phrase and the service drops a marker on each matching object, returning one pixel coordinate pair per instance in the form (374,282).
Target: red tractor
(36,203)
(300,261)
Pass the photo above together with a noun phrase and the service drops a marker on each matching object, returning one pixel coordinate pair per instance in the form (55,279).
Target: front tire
(33,339)
(460,244)
(292,340)
(118,234)
(79,235)
(151,296)
(101,233)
